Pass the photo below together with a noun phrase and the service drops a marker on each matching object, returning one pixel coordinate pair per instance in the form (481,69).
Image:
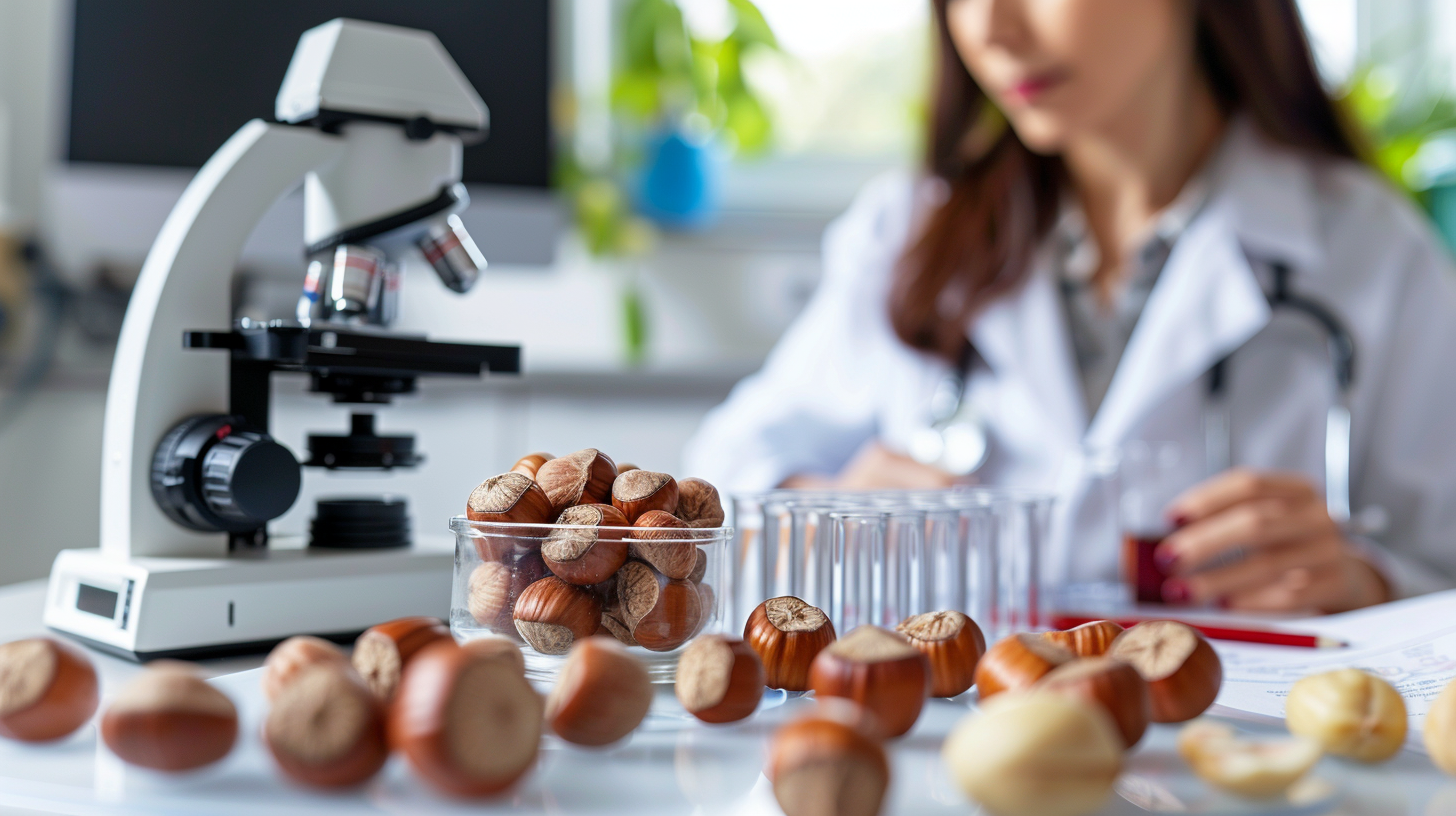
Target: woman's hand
(1263,542)
(876,467)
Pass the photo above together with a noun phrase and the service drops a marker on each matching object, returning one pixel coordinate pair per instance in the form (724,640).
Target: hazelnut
(1035,753)
(469,724)
(326,728)
(822,765)
(1016,662)
(698,504)
(169,719)
(1439,732)
(494,588)
(1087,640)
(877,669)
(707,606)
(1182,670)
(497,648)
(1112,684)
(719,679)
(1351,713)
(1258,769)
(626,466)
(787,634)
(587,556)
(638,491)
(380,654)
(660,612)
(614,621)
(700,567)
(584,477)
(601,694)
(529,464)
(48,689)
(292,656)
(510,498)
(658,539)
(953,644)
(552,614)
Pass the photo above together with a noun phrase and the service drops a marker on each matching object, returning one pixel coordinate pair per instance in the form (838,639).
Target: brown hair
(1003,198)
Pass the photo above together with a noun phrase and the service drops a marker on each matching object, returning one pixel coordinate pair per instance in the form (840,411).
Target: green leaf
(749,122)
(751,28)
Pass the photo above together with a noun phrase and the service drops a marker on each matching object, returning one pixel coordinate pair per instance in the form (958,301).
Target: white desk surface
(673,765)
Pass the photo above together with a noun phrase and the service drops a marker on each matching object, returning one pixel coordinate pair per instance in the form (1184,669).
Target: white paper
(1411,644)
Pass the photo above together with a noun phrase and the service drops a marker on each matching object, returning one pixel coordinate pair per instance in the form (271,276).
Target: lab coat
(840,377)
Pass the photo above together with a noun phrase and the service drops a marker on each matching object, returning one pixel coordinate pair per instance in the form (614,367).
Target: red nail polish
(1181,520)
(1175,591)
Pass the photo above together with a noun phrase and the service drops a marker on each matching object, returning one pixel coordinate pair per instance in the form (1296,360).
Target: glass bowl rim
(482,529)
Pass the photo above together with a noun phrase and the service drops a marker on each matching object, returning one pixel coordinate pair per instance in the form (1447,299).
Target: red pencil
(1220,632)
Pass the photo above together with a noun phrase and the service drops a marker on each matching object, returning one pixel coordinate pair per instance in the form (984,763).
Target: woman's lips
(1028,90)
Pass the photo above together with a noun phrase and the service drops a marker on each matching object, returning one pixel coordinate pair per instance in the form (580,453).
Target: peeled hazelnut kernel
(601,694)
(661,613)
(698,504)
(822,765)
(497,648)
(380,654)
(1257,769)
(1035,753)
(510,498)
(658,540)
(1351,713)
(326,728)
(291,657)
(787,634)
(529,464)
(719,679)
(1182,670)
(1089,639)
(953,644)
(584,477)
(169,719)
(639,491)
(1439,732)
(552,614)
(586,556)
(877,669)
(47,690)
(469,724)
(1017,662)
(1112,684)
(494,587)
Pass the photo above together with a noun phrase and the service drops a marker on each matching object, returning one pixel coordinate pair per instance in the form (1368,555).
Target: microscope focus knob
(212,475)
(249,478)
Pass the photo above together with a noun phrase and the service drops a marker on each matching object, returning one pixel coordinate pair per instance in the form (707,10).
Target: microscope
(372,120)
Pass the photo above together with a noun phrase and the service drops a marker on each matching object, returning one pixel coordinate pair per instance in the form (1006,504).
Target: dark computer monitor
(165,82)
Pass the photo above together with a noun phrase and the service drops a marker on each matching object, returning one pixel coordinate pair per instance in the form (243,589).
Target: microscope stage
(148,608)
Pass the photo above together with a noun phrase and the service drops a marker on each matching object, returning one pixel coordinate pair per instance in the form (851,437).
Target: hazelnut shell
(719,679)
(819,765)
(639,491)
(601,694)
(1182,670)
(877,669)
(658,539)
(1112,684)
(661,613)
(169,719)
(327,729)
(1017,662)
(1089,639)
(291,657)
(698,504)
(381,653)
(494,587)
(586,556)
(584,477)
(510,498)
(529,464)
(787,634)
(48,689)
(551,615)
(952,643)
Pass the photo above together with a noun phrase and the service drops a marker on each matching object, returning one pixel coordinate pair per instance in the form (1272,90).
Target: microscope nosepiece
(453,253)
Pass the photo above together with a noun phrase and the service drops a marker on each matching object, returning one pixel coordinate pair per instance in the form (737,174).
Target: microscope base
(148,608)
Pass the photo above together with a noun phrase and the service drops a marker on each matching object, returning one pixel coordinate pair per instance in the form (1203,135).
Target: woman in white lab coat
(1101,255)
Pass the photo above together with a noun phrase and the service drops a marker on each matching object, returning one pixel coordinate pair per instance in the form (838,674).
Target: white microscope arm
(184,284)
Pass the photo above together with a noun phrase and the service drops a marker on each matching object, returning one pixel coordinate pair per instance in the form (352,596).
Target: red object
(1268,636)
(1140,568)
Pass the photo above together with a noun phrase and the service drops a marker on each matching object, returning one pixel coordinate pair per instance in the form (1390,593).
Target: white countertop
(672,765)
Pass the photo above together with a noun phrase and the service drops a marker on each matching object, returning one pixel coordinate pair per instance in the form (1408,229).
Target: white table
(673,765)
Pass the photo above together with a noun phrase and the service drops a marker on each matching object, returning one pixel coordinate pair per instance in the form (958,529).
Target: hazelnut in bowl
(623,565)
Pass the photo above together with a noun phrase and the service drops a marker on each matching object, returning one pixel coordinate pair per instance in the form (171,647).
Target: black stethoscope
(957,441)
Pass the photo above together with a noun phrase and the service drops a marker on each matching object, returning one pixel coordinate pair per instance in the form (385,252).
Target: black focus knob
(211,474)
(249,478)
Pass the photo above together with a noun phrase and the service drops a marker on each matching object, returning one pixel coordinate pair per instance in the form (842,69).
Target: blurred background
(651,201)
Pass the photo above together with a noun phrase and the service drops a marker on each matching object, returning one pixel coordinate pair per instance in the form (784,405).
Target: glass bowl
(672,587)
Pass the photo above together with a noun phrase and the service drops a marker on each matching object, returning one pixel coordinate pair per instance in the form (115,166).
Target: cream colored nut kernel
(1351,713)
(1035,753)
(1257,769)
(1439,732)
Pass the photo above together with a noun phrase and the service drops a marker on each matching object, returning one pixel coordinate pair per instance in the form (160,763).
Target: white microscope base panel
(148,608)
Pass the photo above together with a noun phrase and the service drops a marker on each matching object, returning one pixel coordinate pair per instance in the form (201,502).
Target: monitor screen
(165,82)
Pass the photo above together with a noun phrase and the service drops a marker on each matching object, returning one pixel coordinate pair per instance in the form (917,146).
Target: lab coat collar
(1208,301)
